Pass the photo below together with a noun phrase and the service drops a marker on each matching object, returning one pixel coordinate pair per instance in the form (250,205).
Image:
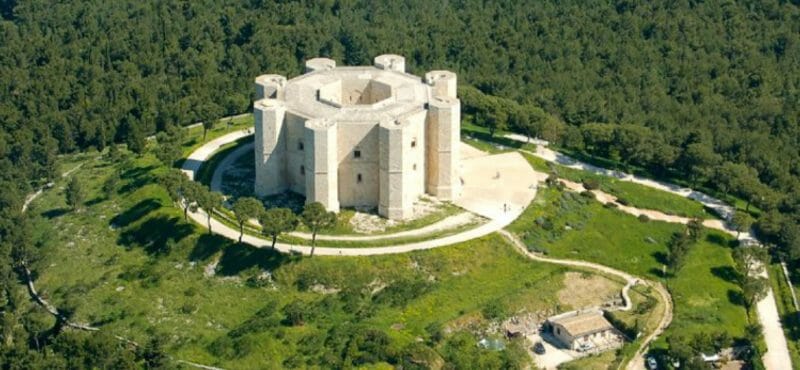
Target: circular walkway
(483,175)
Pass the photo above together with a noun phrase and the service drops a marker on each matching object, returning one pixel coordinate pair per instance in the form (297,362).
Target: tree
(276,221)
(209,201)
(742,221)
(245,209)
(209,114)
(111,184)
(181,190)
(136,140)
(678,248)
(750,260)
(749,263)
(74,193)
(316,217)
(694,229)
(169,146)
(754,289)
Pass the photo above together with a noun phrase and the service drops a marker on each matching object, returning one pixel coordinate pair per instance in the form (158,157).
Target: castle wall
(321,165)
(270,147)
(443,139)
(296,158)
(364,138)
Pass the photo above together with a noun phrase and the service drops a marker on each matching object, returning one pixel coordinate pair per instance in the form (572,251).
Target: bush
(588,194)
(297,313)
(402,292)
(610,205)
(644,218)
(591,184)
(623,201)
(494,310)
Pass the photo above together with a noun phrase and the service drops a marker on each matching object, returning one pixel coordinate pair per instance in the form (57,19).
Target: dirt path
(777,356)
(637,362)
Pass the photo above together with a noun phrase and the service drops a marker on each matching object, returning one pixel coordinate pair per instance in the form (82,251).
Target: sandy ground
(581,290)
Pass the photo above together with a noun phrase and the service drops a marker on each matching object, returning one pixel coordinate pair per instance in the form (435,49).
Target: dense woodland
(706,92)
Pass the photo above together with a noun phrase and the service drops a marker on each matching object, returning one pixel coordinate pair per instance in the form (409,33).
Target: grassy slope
(612,238)
(634,194)
(134,267)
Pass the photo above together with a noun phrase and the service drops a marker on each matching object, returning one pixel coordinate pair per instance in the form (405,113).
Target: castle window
(300,145)
(414,142)
(357,153)
(302,170)
(359,178)
(414,166)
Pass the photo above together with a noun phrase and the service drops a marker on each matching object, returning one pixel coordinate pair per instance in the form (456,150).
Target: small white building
(584,330)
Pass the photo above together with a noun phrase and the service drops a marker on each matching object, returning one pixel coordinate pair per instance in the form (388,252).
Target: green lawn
(627,192)
(565,224)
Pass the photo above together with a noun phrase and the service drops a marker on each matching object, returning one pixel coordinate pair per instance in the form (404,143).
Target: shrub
(588,194)
(623,201)
(495,309)
(591,184)
(297,313)
(644,218)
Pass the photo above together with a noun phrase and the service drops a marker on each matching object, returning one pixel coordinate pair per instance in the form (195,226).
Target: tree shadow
(156,234)
(136,178)
(135,213)
(239,257)
(660,257)
(208,245)
(659,273)
(718,239)
(56,212)
(791,325)
(95,201)
(736,297)
(726,273)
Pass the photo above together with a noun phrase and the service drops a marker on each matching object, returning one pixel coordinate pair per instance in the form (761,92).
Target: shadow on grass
(726,273)
(791,325)
(736,297)
(239,257)
(56,212)
(660,257)
(207,245)
(155,234)
(136,178)
(135,213)
(95,201)
(718,239)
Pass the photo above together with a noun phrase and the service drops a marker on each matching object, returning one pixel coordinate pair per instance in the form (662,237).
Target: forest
(706,92)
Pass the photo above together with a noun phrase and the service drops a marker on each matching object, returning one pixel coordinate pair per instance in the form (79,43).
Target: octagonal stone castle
(372,136)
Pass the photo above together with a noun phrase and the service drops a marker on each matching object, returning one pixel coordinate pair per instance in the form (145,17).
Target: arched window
(302,170)
(359,178)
